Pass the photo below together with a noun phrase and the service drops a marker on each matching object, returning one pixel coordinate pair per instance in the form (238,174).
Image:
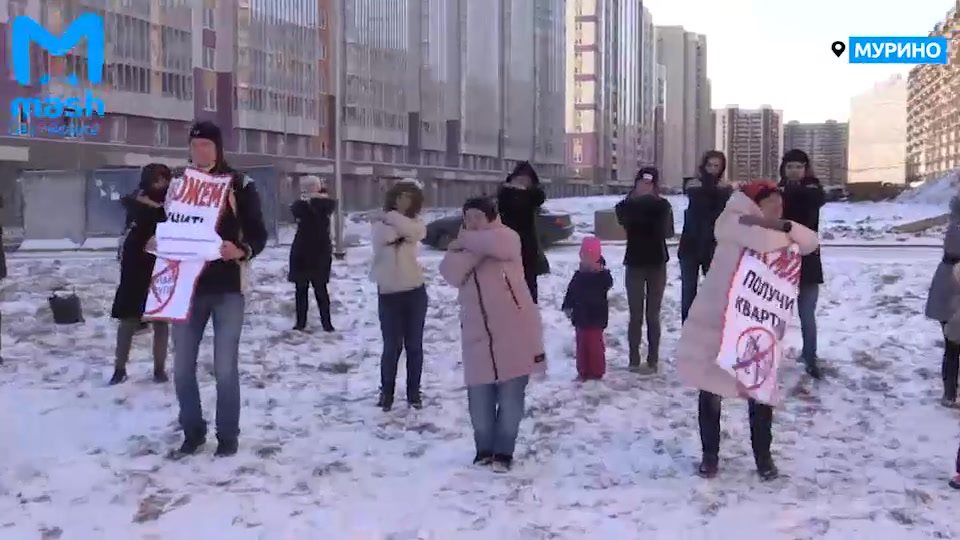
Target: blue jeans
(495,412)
(807,309)
(402,318)
(690,270)
(226,310)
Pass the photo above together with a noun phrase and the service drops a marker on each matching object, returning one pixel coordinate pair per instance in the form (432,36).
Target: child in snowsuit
(586,305)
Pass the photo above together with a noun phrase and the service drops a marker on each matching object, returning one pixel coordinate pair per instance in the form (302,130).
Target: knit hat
(590,249)
(759,190)
(207,130)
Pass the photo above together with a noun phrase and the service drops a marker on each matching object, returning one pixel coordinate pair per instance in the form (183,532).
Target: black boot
(709,467)
(226,446)
(192,442)
(386,401)
(119,376)
(328,327)
(502,463)
(483,459)
(415,401)
(813,368)
(160,376)
(767,470)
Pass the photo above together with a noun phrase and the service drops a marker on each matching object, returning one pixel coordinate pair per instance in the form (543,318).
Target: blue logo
(898,50)
(71,108)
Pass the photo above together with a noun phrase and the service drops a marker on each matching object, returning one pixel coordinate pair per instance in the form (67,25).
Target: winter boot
(767,470)
(160,376)
(955,482)
(416,401)
(119,376)
(483,459)
(386,401)
(226,446)
(502,463)
(192,443)
(709,467)
(813,368)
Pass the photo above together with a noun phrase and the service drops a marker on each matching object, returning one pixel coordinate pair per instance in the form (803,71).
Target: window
(281,144)
(118,129)
(323,19)
(210,102)
(22,125)
(264,142)
(241,141)
(161,133)
(208,57)
(302,146)
(208,18)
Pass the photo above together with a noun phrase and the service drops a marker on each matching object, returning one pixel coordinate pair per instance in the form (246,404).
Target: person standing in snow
(311,255)
(401,292)
(3,266)
(943,291)
(803,197)
(707,195)
(218,295)
(647,219)
(519,200)
(585,304)
(144,211)
(502,334)
(751,220)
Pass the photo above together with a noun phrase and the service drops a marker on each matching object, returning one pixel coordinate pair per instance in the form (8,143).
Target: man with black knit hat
(647,219)
(218,295)
(707,195)
(803,196)
(519,200)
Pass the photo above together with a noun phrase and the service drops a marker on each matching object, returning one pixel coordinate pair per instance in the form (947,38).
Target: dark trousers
(761,424)
(531,279)
(807,310)
(690,271)
(591,353)
(323,302)
(645,286)
(958,461)
(125,332)
(950,368)
(402,318)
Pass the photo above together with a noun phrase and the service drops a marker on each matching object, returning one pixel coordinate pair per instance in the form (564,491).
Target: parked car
(552,227)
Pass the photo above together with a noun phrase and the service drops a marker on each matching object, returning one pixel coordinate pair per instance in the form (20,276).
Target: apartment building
(257,68)
(825,143)
(610,88)
(752,140)
(878,134)
(933,109)
(687,121)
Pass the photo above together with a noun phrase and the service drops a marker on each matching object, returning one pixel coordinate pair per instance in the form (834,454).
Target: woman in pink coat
(501,332)
(751,220)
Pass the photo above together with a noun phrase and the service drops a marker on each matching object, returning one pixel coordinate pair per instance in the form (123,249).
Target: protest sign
(185,243)
(760,303)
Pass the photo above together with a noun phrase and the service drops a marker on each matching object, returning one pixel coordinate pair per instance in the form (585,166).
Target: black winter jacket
(802,202)
(311,254)
(586,298)
(648,222)
(136,265)
(519,209)
(705,201)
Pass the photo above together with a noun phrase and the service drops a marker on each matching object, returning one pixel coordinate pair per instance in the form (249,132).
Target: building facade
(752,140)
(687,113)
(878,134)
(933,109)
(825,143)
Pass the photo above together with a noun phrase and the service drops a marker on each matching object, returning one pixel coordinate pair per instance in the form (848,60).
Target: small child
(586,306)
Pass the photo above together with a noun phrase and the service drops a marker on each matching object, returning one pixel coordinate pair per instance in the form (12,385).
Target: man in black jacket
(519,200)
(218,295)
(803,196)
(707,195)
(3,261)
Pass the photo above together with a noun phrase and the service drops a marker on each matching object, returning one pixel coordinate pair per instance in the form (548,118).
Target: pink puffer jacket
(501,331)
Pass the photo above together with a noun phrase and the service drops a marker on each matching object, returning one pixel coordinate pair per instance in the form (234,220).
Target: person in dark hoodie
(218,295)
(519,200)
(311,254)
(585,304)
(647,219)
(707,195)
(803,196)
(144,211)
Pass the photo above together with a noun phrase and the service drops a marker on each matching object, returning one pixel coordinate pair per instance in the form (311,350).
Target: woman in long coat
(136,269)
(311,255)
(943,290)
(518,202)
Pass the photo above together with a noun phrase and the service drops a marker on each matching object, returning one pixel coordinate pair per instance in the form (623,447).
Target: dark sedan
(552,227)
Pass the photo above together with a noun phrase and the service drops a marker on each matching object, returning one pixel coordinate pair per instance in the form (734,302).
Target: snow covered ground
(865,454)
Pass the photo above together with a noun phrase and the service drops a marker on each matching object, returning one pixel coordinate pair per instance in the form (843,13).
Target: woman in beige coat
(751,220)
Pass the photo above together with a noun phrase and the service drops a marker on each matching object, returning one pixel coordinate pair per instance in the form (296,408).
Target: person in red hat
(585,304)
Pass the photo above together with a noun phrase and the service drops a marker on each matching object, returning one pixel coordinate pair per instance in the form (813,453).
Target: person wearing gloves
(803,197)
(585,304)
(751,220)
(943,289)
(647,220)
(311,254)
(401,293)
(501,330)
(218,295)
(518,201)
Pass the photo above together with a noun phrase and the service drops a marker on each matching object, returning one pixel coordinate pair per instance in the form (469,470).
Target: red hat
(759,190)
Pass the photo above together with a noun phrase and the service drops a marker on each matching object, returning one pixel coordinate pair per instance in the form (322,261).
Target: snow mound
(938,191)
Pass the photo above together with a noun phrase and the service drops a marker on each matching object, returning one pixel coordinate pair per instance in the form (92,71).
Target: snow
(865,454)
(935,192)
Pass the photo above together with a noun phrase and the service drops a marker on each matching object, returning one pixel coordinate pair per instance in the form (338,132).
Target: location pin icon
(838,47)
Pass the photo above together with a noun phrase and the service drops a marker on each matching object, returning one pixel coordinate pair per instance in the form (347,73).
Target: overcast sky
(777,52)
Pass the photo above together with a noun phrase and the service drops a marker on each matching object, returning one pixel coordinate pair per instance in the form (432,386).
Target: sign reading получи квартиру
(77,110)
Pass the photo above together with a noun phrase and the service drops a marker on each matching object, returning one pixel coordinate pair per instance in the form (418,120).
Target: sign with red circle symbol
(163,286)
(756,357)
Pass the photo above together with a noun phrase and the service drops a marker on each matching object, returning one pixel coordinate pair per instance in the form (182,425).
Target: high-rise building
(687,114)
(878,134)
(825,143)
(752,140)
(933,109)
(609,89)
